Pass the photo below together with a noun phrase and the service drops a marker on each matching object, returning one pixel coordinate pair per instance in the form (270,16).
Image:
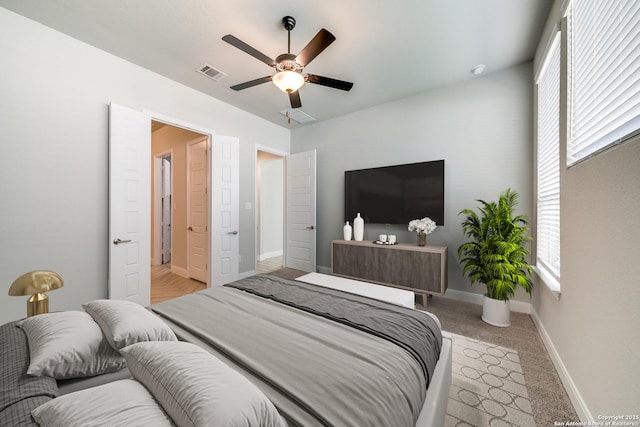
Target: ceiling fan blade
(294,98)
(327,81)
(251,83)
(315,47)
(236,42)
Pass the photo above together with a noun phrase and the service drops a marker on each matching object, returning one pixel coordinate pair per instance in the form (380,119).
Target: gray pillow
(120,403)
(125,322)
(68,344)
(197,389)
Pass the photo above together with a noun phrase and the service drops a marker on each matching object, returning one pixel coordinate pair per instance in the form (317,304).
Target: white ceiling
(390,50)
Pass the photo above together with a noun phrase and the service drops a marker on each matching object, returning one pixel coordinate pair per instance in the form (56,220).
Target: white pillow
(197,389)
(120,403)
(68,344)
(125,322)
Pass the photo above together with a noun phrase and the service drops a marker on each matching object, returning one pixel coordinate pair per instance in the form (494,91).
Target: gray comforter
(317,371)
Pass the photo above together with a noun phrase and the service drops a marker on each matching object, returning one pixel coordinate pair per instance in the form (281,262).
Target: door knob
(233,232)
(118,241)
(190,228)
(311,227)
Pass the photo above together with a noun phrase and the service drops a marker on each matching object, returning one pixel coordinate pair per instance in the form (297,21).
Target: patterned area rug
(487,388)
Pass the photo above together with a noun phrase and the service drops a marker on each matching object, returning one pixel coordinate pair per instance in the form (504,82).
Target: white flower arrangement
(425,225)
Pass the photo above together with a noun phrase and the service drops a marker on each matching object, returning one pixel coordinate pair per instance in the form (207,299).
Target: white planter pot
(496,312)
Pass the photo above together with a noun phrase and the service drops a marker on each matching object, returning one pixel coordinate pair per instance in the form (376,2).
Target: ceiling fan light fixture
(288,81)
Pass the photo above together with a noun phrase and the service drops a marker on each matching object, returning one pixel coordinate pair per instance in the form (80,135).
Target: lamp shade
(288,81)
(36,282)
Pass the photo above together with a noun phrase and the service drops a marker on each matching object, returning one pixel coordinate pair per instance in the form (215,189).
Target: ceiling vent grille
(297,115)
(211,72)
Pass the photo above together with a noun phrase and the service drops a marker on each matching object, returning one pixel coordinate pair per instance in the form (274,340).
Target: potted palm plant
(496,254)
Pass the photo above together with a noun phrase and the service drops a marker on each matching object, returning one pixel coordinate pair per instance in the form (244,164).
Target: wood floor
(166,285)
(269,265)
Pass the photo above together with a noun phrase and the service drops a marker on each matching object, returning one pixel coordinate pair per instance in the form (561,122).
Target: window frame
(542,266)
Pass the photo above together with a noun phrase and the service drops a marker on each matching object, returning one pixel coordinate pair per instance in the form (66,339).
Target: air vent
(297,115)
(211,72)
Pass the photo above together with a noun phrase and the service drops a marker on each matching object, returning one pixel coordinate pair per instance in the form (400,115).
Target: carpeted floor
(549,400)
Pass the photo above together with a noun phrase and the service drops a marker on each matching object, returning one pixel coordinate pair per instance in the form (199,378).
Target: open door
(225,215)
(300,214)
(129,205)
(197,210)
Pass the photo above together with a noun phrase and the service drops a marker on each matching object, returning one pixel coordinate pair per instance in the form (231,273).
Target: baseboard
(246,274)
(180,271)
(262,257)
(572,390)
(517,306)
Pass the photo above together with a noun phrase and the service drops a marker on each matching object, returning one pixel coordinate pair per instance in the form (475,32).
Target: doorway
(130,206)
(179,206)
(270,190)
(165,207)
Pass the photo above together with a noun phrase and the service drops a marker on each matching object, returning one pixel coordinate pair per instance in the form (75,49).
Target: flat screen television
(396,194)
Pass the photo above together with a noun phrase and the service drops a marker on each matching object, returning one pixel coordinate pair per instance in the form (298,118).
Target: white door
(225,219)
(166,210)
(197,213)
(300,215)
(129,205)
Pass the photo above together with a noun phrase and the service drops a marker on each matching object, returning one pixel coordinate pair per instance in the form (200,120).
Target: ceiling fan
(289,77)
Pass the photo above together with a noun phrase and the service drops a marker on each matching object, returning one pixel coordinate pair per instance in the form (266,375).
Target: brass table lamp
(36,283)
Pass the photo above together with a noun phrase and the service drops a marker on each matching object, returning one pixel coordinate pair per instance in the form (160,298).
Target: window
(548,166)
(603,73)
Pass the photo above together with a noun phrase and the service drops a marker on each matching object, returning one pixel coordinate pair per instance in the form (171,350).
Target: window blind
(604,74)
(548,162)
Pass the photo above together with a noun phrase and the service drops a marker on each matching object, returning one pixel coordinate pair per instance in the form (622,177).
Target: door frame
(209,134)
(156,251)
(256,219)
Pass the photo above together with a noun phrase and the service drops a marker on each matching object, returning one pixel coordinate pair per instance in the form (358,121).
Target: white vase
(358,228)
(496,312)
(346,231)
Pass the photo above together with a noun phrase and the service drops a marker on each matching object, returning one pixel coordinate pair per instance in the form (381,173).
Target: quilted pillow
(125,323)
(120,403)
(196,388)
(68,344)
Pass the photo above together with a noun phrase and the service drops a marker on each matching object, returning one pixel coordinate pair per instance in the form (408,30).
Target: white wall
(593,329)
(53,166)
(482,129)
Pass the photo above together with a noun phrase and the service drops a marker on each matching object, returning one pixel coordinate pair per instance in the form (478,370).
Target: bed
(319,355)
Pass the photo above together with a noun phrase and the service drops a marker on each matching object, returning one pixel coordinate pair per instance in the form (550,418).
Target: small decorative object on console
(346,231)
(384,239)
(358,228)
(423,227)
